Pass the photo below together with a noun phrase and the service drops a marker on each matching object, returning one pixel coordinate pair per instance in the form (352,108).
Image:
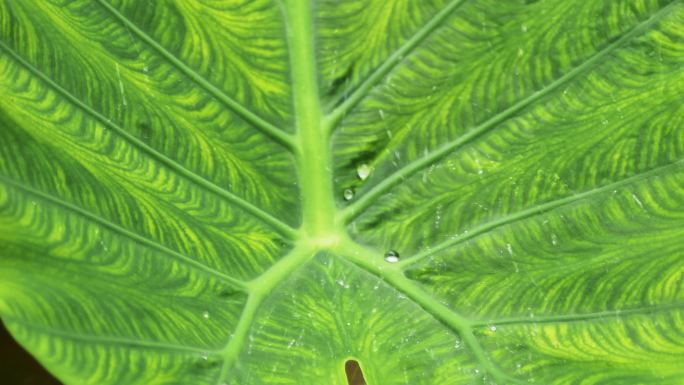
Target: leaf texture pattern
(204,192)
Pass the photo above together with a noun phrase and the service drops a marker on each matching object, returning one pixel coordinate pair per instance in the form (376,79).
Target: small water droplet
(363,171)
(348,194)
(392,256)
(343,284)
(492,328)
(205,315)
(204,356)
(523,27)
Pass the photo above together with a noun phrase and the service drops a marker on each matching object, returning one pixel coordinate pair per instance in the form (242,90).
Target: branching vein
(539,209)
(390,63)
(248,207)
(124,232)
(267,128)
(355,209)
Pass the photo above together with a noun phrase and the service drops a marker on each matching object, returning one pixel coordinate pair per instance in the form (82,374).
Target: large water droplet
(363,171)
(348,194)
(392,256)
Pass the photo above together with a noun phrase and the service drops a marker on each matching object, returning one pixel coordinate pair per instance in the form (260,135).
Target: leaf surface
(255,192)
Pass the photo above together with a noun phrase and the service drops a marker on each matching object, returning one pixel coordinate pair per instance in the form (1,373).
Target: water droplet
(204,355)
(492,328)
(392,256)
(363,171)
(523,27)
(205,315)
(343,284)
(348,194)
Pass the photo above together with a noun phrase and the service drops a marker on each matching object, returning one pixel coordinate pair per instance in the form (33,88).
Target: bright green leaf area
(204,192)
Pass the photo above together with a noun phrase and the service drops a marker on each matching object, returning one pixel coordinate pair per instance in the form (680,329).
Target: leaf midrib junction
(323,224)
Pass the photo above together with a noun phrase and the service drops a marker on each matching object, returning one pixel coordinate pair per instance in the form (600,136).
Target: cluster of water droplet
(362,172)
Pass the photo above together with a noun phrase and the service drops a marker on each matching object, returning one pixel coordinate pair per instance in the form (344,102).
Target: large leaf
(216,192)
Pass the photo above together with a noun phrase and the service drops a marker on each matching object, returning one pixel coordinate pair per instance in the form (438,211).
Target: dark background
(17,367)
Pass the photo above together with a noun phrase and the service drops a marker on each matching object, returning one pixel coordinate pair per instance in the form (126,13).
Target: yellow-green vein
(355,209)
(248,207)
(267,128)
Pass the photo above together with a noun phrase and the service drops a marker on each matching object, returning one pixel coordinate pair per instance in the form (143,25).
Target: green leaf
(257,192)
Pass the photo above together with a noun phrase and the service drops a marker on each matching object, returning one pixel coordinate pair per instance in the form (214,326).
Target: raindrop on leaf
(363,171)
(348,194)
(392,256)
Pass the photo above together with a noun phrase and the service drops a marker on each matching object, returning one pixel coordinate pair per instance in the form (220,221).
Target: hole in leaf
(354,373)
